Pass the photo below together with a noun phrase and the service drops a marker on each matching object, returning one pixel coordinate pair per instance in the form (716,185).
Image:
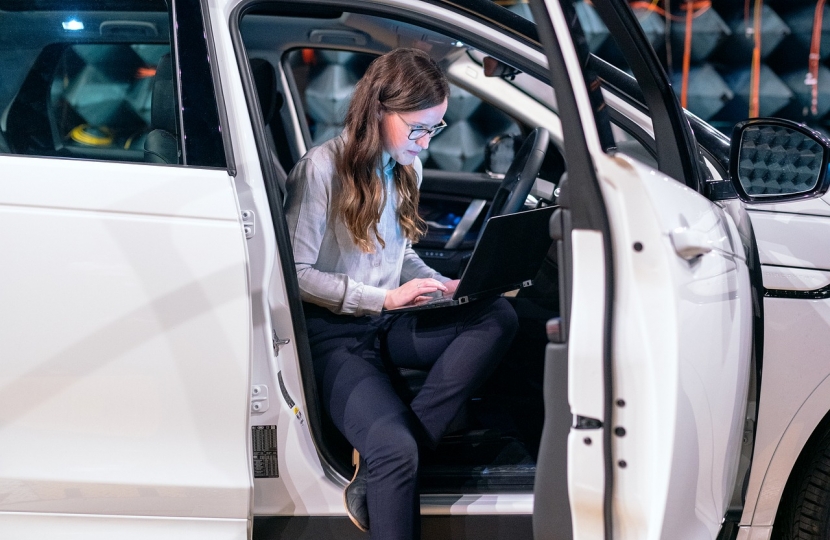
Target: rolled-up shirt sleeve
(307,214)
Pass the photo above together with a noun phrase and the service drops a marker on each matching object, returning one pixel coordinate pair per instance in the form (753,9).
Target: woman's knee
(501,312)
(392,448)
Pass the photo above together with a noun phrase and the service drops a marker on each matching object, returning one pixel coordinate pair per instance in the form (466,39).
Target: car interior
(304,74)
(97,83)
(86,85)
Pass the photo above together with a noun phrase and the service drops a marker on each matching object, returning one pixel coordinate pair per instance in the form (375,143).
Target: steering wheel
(519,178)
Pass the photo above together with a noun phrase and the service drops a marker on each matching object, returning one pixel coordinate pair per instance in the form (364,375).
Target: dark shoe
(354,496)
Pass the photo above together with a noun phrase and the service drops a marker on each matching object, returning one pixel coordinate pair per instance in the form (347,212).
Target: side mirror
(776,160)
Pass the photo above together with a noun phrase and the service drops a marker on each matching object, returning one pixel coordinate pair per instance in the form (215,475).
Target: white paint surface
(682,335)
(125,331)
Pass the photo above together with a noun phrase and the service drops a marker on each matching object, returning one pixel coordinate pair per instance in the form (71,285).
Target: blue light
(72,24)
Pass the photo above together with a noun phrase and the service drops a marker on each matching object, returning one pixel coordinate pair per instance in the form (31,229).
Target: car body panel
(35,526)
(815,207)
(792,240)
(793,401)
(303,486)
(131,390)
(784,278)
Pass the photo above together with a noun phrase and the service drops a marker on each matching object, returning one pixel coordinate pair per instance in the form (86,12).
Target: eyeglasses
(416,133)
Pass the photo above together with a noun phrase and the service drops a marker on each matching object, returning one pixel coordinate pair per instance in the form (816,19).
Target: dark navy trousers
(459,346)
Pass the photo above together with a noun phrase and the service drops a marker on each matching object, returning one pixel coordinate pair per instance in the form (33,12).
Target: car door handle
(690,244)
(467,220)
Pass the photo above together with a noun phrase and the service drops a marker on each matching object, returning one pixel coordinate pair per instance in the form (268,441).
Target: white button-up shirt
(332,271)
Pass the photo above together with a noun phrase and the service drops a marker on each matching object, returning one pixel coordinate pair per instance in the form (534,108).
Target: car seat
(162,143)
(270,101)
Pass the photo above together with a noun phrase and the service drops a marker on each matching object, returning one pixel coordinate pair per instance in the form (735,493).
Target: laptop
(507,257)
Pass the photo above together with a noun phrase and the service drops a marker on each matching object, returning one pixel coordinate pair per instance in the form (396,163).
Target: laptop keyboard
(438,301)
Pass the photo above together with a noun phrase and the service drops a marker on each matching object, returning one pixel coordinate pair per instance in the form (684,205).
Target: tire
(805,507)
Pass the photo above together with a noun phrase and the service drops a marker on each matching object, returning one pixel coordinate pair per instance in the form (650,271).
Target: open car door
(656,327)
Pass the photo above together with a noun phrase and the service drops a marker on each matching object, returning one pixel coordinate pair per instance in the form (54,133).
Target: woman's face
(395,128)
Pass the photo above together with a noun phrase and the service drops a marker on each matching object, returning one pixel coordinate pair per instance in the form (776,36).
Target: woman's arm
(307,207)
(415,267)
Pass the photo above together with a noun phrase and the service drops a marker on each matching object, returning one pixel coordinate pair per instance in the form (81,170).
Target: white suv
(668,379)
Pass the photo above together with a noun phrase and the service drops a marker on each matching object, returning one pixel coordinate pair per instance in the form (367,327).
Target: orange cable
(693,10)
(755,85)
(687,55)
(698,8)
(667,39)
(815,54)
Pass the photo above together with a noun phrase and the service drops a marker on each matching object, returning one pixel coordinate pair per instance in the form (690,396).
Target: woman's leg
(460,346)
(358,396)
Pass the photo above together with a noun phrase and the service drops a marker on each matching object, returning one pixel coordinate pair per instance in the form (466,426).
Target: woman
(352,211)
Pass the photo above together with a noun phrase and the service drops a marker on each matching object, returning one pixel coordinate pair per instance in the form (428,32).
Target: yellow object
(81,134)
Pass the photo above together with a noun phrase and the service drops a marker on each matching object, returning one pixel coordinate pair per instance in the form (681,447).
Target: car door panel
(668,407)
(586,397)
(470,185)
(126,331)
(678,431)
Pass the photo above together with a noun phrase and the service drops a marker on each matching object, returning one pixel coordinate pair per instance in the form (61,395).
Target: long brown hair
(401,81)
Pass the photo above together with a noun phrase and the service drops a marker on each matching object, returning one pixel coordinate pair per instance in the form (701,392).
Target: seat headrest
(265,80)
(163,113)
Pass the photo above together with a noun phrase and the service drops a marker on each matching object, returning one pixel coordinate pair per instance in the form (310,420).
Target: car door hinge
(259,398)
(585,422)
(249,223)
(277,342)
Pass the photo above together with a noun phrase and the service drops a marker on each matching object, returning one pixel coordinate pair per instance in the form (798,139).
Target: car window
(325,79)
(91,84)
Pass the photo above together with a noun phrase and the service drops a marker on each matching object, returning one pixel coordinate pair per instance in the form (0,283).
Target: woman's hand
(451,286)
(412,293)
